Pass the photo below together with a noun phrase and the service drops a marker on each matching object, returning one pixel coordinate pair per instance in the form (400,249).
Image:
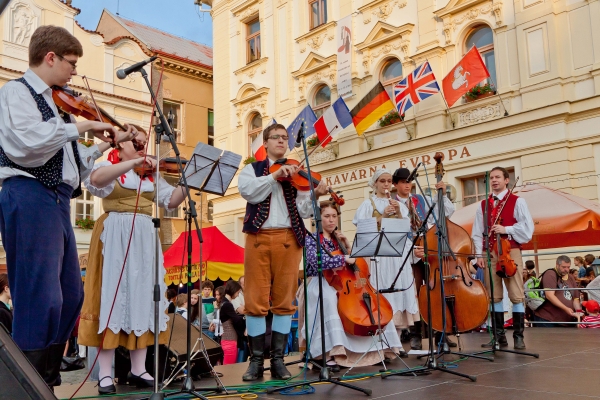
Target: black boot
(257,358)
(500,333)
(447,341)
(278,343)
(55,355)
(518,328)
(415,336)
(39,360)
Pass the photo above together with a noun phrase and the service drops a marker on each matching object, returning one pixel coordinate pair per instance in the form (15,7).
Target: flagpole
(406,127)
(498,94)
(443,98)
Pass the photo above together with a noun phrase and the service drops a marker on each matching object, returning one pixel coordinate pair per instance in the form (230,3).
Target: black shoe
(55,358)
(405,336)
(138,381)
(500,333)
(447,342)
(278,343)
(415,336)
(257,358)
(450,342)
(110,389)
(518,329)
(402,353)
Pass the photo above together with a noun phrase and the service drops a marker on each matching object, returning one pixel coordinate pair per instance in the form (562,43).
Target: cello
(358,307)
(465,299)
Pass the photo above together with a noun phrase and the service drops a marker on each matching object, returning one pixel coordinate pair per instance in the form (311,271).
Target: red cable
(156,329)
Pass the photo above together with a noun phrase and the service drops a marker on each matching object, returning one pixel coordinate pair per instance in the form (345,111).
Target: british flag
(417,86)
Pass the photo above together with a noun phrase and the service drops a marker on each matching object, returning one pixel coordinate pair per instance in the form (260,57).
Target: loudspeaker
(18,379)
(174,353)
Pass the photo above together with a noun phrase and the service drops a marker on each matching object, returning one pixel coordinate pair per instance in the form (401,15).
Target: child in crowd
(182,305)
(592,308)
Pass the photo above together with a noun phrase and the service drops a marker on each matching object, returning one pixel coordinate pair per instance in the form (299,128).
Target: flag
(373,106)
(469,71)
(307,115)
(417,86)
(258,145)
(333,121)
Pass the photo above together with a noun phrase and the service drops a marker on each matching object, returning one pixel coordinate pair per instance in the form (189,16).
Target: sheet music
(367,239)
(394,226)
(223,174)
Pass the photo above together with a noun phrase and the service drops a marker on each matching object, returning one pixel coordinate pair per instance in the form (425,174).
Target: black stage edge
(567,368)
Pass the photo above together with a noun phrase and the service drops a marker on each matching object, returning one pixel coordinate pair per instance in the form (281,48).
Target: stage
(567,368)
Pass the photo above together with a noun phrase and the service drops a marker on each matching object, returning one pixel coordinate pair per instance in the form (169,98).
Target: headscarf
(376,176)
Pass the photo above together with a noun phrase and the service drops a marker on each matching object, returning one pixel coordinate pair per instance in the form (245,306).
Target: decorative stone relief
(328,154)
(167,94)
(131,77)
(127,50)
(450,24)
(96,40)
(480,114)
(23,19)
(259,105)
(369,56)
(382,11)
(247,12)
(313,42)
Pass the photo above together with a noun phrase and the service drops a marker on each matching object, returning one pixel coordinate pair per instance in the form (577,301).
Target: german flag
(371,108)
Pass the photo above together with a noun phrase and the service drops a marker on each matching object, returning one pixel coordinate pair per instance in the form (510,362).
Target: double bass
(358,307)
(464,298)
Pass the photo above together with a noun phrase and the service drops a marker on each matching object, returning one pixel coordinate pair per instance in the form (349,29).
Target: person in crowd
(560,305)
(580,265)
(378,205)
(418,207)
(517,227)
(239,306)
(273,250)
(233,324)
(172,298)
(592,309)
(131,322)
(6,316)
(342,348)
(215,325)
(195,308)
(593,288)
(182,305)
(530,267)
(208,308)
(574,272)
(42,165)
(589,276)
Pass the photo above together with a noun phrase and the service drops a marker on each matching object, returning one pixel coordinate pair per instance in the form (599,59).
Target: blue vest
(49,174)
(257,214)
(421,206)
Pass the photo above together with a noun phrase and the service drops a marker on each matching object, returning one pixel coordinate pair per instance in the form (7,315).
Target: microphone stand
(163,128)
(324,373)
(486,241)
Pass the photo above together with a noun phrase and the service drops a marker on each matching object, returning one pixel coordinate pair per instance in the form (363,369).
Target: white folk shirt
(255,189)
(448,207)
(30,142)
(521,232)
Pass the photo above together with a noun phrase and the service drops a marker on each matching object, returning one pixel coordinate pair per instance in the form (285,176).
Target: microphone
(299,136)
(382,291)
(122,73)
(413,174)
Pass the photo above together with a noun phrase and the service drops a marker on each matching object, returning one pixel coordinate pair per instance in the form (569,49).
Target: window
(209,211)
(173,113)
(254,129)
(318,12)
(253,41)
(391,73)
(474,187)
(322,100)
(178,212)
(483,38)
(211,128)
(84,206)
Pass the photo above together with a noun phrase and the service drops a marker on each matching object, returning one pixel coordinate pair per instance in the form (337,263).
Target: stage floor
(567,368)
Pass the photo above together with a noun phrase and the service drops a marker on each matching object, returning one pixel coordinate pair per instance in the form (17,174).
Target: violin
(357,304)
(464,299)
(72,102)
(505,265)
(301,181)
(168,165)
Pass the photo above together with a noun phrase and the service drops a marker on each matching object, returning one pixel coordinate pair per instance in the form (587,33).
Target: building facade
(273,57)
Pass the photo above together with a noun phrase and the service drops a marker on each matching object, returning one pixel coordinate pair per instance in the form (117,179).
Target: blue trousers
(41,257)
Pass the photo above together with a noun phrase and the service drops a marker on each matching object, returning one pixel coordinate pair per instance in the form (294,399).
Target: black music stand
(371,243)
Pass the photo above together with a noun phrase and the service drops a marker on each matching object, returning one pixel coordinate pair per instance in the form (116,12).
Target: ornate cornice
(380,9)
(257,100)
(316,68)
(315,38)
(250,70)
(384,38)
(456,13)
(246,9)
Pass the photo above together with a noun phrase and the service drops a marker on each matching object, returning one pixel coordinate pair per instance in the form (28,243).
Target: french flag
(258,148)
(333,121)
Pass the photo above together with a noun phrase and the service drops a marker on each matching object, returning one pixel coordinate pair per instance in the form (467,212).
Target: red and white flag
(258,148)
(333,121)
(467,74)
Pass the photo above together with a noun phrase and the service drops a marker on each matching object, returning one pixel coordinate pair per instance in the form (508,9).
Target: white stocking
(138,363)
(105,360)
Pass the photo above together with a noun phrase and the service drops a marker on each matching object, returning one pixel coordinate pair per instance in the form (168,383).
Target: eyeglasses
(277,137)
(73,63)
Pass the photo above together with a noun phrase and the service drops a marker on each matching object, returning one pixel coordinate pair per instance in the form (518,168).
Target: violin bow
(503,204)
(85,81)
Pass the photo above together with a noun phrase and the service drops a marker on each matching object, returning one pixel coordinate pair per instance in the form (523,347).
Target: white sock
(105,361)
(138,363)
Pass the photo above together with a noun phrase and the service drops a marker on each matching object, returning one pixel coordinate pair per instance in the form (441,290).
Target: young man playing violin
(41,169)
(273,250)
(514,223)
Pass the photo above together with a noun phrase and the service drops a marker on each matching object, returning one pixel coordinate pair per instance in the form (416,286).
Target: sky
(178,17)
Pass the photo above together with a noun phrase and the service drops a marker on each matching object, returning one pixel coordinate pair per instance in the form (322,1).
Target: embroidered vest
(257,214)
(49,174)
(507,216)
